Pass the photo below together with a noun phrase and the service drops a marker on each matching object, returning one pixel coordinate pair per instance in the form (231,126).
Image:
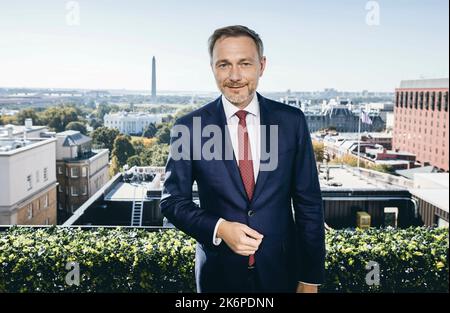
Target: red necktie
(245,162)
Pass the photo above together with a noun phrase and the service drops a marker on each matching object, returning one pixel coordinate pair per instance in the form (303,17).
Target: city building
(80,170)
(27,181)
(339,115)
(132,198)
(131,123)
(421,123)
(430,190)
(29,130)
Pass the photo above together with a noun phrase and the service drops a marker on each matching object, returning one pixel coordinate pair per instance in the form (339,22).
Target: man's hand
(305,288)
(239,237)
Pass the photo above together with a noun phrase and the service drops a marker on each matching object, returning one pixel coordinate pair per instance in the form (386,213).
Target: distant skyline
(310,45)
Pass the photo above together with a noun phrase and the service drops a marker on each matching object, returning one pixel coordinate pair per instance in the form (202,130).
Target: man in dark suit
(259,225)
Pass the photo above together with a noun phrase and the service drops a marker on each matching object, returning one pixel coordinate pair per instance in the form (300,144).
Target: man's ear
(262,63)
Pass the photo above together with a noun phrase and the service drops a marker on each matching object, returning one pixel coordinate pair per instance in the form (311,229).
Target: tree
(138,145)
(163,133)
(319,151)
(156,155)
(57,118)
(150,131)
(28,113)
(104,137)
(123,149)
(77,126)
(102,109)
(115,167)
(95,123)
(134,160)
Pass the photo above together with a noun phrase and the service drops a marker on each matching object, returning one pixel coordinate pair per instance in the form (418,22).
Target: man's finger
(250,242)
(252,233)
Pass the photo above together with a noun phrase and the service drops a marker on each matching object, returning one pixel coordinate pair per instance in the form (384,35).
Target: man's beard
(237,98)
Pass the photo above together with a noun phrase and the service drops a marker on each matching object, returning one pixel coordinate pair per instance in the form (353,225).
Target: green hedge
(122,260)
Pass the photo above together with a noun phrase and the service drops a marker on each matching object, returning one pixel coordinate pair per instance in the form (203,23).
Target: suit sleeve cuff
(217,241)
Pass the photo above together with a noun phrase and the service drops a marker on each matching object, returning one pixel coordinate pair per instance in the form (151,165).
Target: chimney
(10,130)
(28,123)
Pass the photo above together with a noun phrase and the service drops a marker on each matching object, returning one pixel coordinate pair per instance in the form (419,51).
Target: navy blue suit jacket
(286,205)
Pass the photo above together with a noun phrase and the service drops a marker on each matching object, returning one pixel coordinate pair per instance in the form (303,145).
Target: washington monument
(153,78)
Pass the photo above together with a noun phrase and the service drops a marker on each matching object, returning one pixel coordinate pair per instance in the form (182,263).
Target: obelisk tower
(153,78)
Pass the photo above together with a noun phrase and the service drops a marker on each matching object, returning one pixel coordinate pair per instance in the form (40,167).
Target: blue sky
(310,45)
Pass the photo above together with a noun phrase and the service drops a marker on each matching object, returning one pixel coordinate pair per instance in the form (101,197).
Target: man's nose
(235,73)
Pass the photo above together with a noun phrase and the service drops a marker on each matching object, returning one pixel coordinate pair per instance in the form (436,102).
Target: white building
(131,122)
(27,181)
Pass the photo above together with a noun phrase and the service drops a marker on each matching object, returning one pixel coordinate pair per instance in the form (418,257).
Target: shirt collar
(230,109)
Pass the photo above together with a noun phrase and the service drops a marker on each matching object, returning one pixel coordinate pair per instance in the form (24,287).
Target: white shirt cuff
(309,284)
(217,241)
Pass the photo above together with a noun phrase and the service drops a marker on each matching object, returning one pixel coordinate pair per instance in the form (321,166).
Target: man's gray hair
(235,31)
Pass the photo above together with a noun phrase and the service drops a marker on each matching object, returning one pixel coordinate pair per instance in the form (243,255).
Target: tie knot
(241,114)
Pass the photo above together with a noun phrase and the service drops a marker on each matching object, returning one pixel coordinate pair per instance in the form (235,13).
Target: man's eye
(222,65)
(246,64)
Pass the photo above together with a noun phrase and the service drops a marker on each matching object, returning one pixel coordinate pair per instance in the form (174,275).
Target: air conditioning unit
(362,220)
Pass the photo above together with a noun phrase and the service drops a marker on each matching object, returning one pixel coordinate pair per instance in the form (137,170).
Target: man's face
(237,68)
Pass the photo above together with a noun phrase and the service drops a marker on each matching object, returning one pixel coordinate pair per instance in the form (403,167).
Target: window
(30,211)
(74,172)
(29,182)
(45,173)
(439,101)
(73,191)
(60,170)
(83,171)
(84,190)
(46,201)
(37,177)
(60,188)
(47,221)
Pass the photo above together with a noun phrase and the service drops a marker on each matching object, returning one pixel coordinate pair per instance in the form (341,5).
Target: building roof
(437,197)
(348,178)
(425,83)
(409,173)
(73,138)
(19,130)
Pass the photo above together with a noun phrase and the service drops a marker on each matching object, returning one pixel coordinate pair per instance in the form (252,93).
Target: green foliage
(319,151)
(410,260)
(103,137)
(77,126)
(163,133)
(124,260)
(134,160)
(150,131)
(28,113)
(57,118)
(110,260)
(123,149)
(156,155)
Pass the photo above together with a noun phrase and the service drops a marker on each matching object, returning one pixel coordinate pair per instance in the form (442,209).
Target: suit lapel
(266,119)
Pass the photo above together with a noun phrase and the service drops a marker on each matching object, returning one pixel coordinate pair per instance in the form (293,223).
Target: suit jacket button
(251,213)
